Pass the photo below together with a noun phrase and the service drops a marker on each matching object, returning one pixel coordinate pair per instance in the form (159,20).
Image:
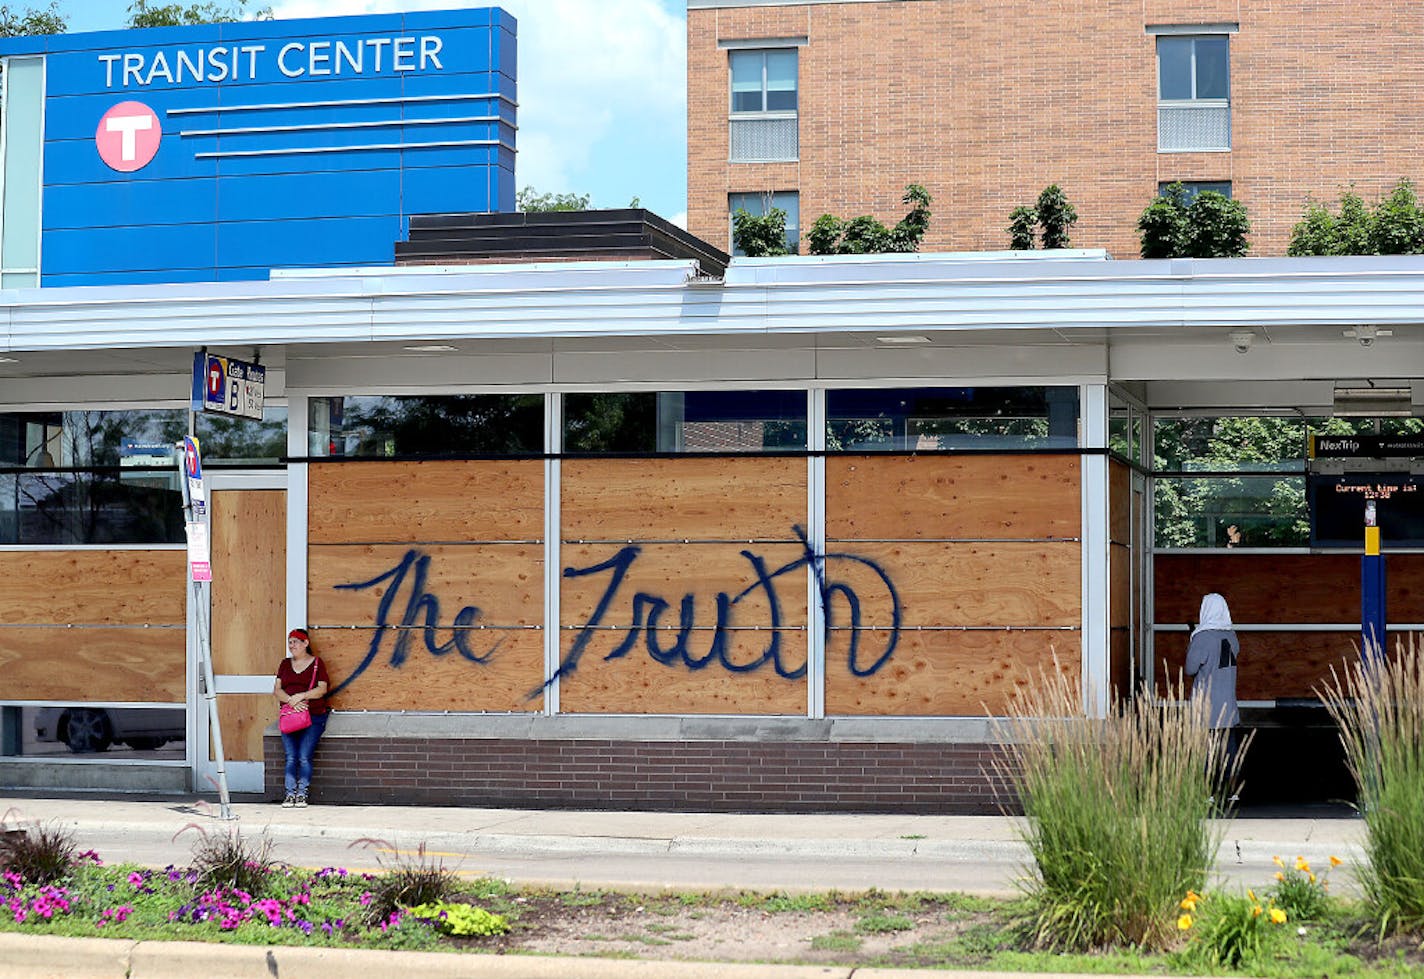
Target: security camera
(1366,333)
(1241,340)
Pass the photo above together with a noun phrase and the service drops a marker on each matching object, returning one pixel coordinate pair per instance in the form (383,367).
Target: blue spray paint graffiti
(646,612)
(420,605)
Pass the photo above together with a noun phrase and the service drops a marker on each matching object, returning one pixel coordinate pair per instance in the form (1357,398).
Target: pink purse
(289,719)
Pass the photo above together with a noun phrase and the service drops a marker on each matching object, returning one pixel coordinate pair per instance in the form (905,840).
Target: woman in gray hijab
(1211,663)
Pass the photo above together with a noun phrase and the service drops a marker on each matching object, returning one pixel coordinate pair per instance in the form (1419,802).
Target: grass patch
(1118,813)
(837,941)
(779,902)
(1379,707)
(872,924)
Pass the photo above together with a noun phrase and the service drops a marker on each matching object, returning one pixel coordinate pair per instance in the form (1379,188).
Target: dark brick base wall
(721,776)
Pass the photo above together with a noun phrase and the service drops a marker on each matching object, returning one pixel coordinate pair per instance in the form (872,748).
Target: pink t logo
(128,136)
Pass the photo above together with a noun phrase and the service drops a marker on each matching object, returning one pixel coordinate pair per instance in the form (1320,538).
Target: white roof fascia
(793,296)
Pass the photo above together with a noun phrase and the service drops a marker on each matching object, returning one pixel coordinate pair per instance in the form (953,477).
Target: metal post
(1372,591)
(207,686)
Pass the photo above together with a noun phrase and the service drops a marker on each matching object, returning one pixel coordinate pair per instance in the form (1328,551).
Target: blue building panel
(221,151)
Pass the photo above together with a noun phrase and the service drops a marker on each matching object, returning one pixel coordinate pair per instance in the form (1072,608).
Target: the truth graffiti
(642,615)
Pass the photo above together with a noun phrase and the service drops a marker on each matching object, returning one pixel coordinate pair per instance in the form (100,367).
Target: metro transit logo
(128,136)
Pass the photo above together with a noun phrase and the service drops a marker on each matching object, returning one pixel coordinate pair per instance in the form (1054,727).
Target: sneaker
(300,802)
(289,801)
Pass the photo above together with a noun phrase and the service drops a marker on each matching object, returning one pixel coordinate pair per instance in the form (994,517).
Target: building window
(763,106)
(685,421)
(942,419)
(1195,187)
(759,204)
(434,426)
(1193,93)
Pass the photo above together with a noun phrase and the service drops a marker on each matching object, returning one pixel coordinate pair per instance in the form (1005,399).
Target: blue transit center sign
(222,151)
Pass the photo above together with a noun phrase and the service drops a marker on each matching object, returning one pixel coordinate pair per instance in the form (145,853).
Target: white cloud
(588,70)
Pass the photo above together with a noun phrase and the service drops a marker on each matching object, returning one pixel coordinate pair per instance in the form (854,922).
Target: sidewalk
(646,850)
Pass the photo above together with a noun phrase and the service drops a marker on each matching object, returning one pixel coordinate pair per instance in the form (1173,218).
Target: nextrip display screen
(1337,509)
(226,150)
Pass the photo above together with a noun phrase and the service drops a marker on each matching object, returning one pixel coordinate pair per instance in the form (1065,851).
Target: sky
(602,90)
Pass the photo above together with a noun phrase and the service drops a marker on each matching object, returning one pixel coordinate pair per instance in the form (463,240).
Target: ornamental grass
(1118,812)
(1378,705)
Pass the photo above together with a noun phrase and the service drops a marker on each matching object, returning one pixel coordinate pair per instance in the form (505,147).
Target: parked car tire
(144,743)
(87,730)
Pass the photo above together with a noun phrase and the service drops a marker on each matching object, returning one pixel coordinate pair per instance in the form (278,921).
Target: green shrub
(406,881)
(1379,707)
(39,853)
(228,859)
(1299,891)
(461,919)
(1118,812)
(1230,931)
(760,235)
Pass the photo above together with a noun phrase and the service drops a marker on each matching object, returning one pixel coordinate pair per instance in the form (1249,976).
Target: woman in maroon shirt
(301,682)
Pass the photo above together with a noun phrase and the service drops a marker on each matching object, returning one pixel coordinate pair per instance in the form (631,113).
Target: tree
(1395,226)
(143,13)
(759,235)
(1023,223)
(1211,225)
(1052,213)
(530,200)
(830,235)
(1056,215)
(15,22)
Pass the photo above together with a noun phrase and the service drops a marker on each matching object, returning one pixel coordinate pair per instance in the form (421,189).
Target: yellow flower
(1188,904)
(1335,861)
(1278,916)
(1256,911)
(1280,876)
(1312,878)
(1251,895)
(1278,861)
(1301,865)
(1184,922)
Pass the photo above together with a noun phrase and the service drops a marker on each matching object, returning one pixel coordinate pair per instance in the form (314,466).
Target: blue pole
(1372,594)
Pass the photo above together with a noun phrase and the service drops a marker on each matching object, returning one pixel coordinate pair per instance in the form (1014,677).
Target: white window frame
(764,115)
(1194,104)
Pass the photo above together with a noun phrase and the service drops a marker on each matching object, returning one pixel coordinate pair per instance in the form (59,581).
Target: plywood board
(1007,583)
(504,582)
(244,716)
(1272,665)
(957,674)
(1119,503)
(638,684)
(128,587)
(94,665)
(426,502)
(1119,664)
(668,574)
(1282,588)
(1120,586)
(388,677)
(249,592)
(933,497)
(687,498)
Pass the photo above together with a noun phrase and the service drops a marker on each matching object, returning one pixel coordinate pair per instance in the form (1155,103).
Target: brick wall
(717,776)
(985,104)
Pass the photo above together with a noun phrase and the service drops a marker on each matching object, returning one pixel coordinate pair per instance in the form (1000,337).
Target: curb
(46,957)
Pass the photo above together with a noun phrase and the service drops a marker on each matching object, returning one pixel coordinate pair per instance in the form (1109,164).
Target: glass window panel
(781,80)
(1213,67)
(88,438)
(446,425)
(80,731)
(685,421)
(747,81)
(23,119)
(758,204)
(1174,68)
(1231,511)
(925,419)
(229,439)
(113,507)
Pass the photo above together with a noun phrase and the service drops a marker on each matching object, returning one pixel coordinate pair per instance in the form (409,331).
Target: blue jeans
(300,747)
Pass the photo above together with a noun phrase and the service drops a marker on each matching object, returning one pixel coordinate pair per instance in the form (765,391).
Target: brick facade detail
(987,104)
(716,776)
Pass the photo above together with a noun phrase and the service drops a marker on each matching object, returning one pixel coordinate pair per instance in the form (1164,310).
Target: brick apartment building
(835,105)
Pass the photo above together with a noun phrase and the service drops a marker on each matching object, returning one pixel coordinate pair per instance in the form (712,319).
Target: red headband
(298,634)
